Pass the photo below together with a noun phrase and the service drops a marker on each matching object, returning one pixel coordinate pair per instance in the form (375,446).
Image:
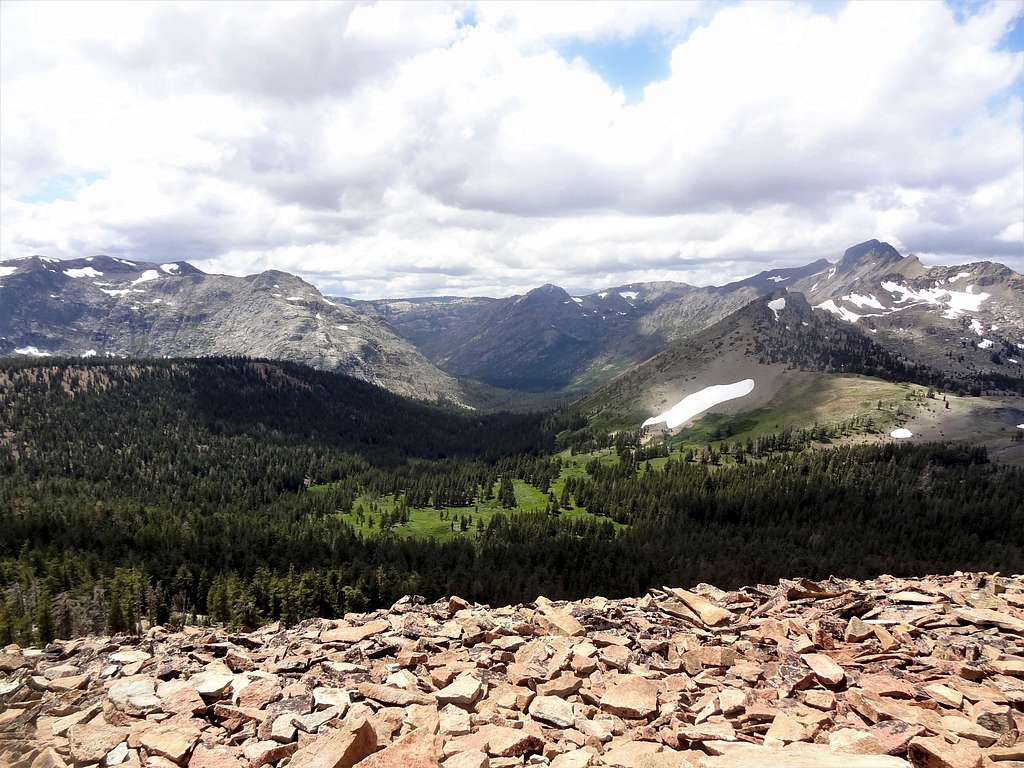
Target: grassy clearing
(445,523)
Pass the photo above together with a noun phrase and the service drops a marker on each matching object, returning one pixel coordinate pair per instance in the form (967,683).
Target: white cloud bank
(418,148)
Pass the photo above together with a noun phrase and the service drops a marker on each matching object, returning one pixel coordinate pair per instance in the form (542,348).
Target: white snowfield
(830,306)
(31,352)
(901,434)
(149,274)
(698,402)
(83,272)
(170,269)
(955,302)
(5,271)
(776,306)
(629,295)
(985,344)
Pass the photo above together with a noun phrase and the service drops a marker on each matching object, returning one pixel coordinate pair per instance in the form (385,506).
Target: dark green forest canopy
(149,489)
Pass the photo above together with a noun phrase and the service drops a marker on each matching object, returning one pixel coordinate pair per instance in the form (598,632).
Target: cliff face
(889,672)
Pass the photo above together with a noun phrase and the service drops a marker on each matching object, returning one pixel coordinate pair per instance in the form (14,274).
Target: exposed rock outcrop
(878,674)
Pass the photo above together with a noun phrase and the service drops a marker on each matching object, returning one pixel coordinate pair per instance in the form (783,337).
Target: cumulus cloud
(423,148)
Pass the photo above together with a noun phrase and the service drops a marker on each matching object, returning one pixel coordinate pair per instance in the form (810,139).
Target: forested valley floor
(242,492)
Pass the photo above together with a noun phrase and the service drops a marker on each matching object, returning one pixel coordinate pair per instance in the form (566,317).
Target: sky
(487,148)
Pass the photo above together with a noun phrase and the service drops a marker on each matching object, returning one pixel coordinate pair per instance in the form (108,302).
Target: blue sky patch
(61,187)
(626,64)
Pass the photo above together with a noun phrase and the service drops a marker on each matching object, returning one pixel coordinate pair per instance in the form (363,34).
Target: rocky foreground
(837,674)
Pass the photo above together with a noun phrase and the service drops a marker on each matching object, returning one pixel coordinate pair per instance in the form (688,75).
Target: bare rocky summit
(835,674)
(103,306)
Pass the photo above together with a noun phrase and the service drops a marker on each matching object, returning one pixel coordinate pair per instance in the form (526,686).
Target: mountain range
(873,310)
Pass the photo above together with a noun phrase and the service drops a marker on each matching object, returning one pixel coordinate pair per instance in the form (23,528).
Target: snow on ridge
(776,305)
(696,403)
(83,272)
(863,301)
(149,274)
(830,306)
(902,433)
(121,261)
(171,269)
(955,302)
(32,351)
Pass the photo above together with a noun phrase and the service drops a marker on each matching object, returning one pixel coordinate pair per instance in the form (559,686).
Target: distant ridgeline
(227,489)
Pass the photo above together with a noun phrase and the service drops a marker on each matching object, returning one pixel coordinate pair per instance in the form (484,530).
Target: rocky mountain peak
(866,251)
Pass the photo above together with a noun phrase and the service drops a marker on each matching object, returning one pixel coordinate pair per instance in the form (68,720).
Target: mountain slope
(966,320)
(769,342)
(108,306)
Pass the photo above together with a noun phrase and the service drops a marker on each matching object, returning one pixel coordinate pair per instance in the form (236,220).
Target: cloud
(453,148)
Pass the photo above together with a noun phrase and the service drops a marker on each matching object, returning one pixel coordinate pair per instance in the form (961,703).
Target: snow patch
(959,276)
(342,327)
(88,353)
(985,344)
(863,301)
(83,272)
(603,295)
(171,269)
(698,402)
(628,295)
(777,279)
(901,434)
(5,271)
(830,306)
(120,261)
(831,273)
(116,291)
(31,352)
(955,302)
(976,327)
(776,305)
(149,274)
(577,300)
(294,298)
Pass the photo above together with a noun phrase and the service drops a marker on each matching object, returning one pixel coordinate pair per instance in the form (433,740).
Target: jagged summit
(889,673)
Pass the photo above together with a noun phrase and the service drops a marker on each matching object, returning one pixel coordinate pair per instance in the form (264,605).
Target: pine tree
(45,631)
